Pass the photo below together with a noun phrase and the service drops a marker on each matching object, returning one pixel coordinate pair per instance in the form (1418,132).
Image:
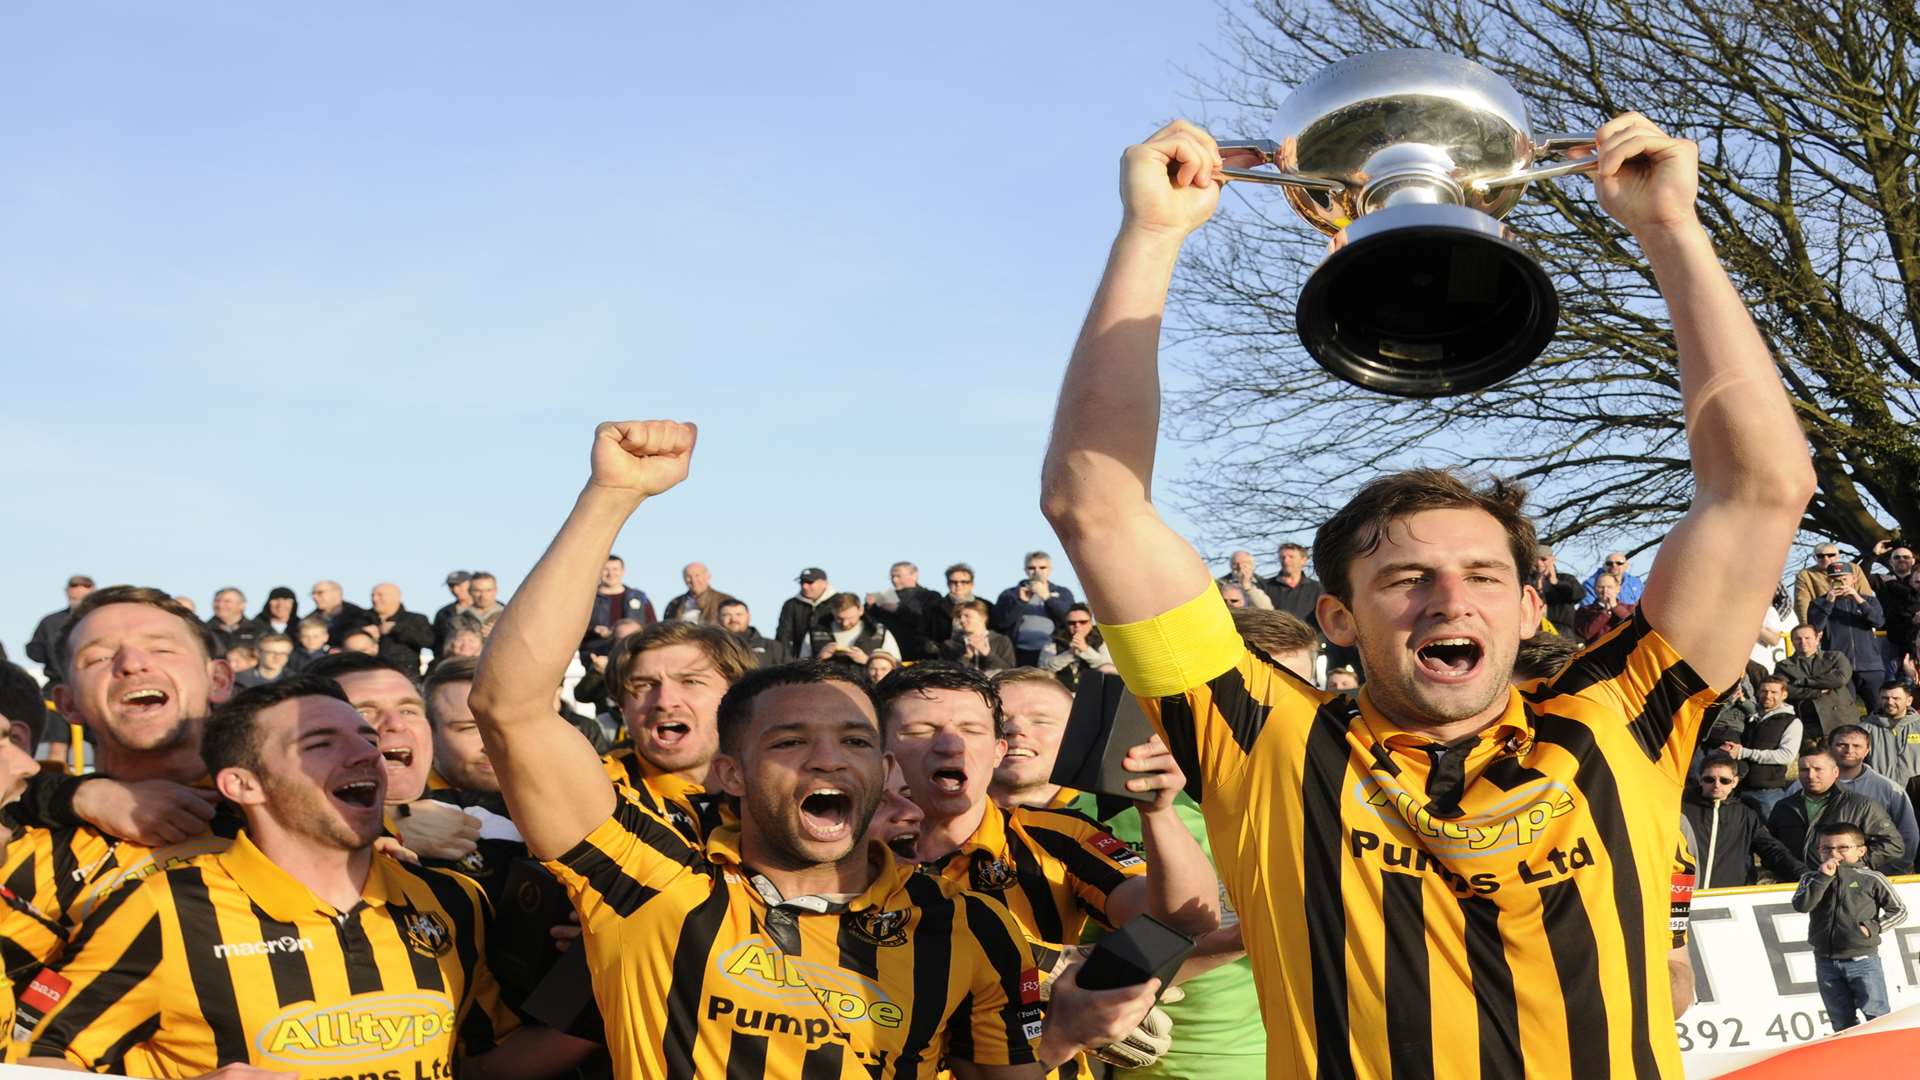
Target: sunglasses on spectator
(959,581)
(1616,562)
(1716,781)
(1827,554)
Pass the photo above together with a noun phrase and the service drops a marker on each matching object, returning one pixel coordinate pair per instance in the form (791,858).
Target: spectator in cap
(612,602)
(42,647)
(281,613)
(701,602)
(457,584)
(801,615)
(1561,593)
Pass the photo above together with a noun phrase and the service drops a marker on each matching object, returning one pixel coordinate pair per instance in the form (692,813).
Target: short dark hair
(1841,828)
(1358,528)
(131,594)
(231,737)
(1898,684)
(1720,757)
(845,600)
(478,574)
(20,700)
(1543,655)
(736,708)
(1818,752)
(731,601)
(1779,680)
(958,566)
(724,651)
(610,558)
(454,669)
(975,604)
(1848,729)
(938,675)
(335,665)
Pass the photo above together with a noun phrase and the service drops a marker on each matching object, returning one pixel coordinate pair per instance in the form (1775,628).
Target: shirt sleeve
(1097,861)
(1636,674)
(622,863)
(1207,691)
(108,984)
(1003,1024)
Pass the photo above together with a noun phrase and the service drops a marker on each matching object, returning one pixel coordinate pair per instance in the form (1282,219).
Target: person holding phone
(1848,618)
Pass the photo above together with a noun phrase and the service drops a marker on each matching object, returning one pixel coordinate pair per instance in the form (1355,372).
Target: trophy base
(1425,301)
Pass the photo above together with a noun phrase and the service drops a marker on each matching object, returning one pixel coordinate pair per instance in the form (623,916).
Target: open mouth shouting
(826,815)
(144,701)
(668,734)
(398,758)
(1451,659)
(949,781)
(362,793)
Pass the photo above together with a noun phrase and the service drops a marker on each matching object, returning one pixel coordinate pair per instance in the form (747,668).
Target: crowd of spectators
(1821,733)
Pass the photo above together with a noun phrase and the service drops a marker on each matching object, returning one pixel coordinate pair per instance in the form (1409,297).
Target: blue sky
(287,295)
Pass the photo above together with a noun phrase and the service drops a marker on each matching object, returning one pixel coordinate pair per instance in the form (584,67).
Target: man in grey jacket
(1848,744)
(1893,729)
(1767,746)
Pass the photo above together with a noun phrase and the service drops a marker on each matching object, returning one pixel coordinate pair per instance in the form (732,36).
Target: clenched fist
(645,457)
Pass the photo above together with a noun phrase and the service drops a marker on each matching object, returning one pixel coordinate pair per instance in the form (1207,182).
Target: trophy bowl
(1408,158)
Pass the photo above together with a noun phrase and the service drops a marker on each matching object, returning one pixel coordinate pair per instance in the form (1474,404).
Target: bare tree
(1808,119)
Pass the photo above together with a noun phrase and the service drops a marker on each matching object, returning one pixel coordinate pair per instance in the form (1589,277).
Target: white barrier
(1753,976)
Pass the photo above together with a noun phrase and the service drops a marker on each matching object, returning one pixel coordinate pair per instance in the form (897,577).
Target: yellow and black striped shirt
(1053,869)
(55,878)
(1536,902)
(683,804)
(698,975)
(232,960)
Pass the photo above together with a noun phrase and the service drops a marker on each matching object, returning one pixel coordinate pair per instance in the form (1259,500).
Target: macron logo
(226,950)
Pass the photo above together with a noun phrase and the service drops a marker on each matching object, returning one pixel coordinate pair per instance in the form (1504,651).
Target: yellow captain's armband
(1176,650)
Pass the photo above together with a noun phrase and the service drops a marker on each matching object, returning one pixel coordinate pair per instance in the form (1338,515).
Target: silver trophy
(1408,158)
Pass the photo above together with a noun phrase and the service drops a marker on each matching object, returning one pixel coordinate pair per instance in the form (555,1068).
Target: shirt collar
(283,897)
(1514,728)
(889,877)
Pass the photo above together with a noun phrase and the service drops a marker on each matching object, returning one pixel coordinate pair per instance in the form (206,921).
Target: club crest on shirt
(881,927)
(992,875)
(427,933)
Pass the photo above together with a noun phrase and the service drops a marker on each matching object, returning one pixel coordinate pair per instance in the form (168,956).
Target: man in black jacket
(1728,833)
(911,611)
(400,633)
(1848,907)
(229,623)
(737,620)
(806,612)
(43,647)
(1817,800)
(457,584)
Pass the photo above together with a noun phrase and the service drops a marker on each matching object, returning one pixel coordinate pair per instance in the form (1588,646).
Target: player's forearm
(528,652)
(1182,889)
(1740,424)
(1108,418)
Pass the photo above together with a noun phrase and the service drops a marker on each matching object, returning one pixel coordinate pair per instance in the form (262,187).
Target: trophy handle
(1551,143)
(1268,150)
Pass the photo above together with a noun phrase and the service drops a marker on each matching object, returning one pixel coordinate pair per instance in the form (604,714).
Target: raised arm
(1717,569)
(1096,486)
(553,780)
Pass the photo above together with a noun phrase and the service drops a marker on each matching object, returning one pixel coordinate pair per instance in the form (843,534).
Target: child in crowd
(1848,907)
